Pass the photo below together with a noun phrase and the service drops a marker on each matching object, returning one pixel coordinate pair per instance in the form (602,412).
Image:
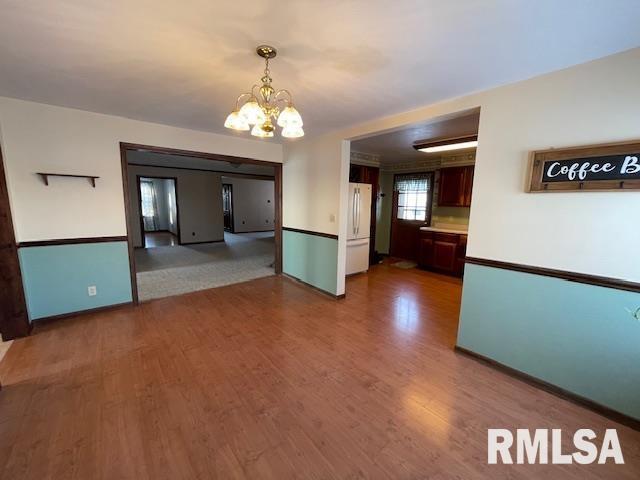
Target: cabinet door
(444,255)
(467,186)
(455,186)
(425,256)
(451,187)
(461,255)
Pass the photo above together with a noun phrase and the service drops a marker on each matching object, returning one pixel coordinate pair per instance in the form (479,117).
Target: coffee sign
(598,167)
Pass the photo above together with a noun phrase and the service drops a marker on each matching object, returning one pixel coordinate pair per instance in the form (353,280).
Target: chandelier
(262,108)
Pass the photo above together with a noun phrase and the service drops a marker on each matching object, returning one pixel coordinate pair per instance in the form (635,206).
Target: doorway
(206,254)
(422,216)
(227,206)
(412,200)
(159,213)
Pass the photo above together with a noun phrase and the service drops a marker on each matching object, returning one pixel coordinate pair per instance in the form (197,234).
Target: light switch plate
(92,290)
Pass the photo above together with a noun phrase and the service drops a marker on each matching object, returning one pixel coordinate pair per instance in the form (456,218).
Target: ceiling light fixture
(259,109)
(458,143)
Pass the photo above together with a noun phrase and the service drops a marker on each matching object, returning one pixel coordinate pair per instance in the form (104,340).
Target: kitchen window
(413,196)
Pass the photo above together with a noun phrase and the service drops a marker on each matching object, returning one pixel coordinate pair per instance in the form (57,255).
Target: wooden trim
(195,154)
(319,290)
(127,216)
(70,241)
(554,389)
(538,158)
(562,274)
(200,243)
(222,172)
(14,320)
(124,147)
(143,239)
(310,232)
(277,198)
(38,322)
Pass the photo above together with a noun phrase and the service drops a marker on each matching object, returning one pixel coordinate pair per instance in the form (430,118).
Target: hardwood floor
(269,379)
(160,239)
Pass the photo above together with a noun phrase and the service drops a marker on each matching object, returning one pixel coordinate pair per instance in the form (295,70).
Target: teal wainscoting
(56,277)
(312,259)
(579,337)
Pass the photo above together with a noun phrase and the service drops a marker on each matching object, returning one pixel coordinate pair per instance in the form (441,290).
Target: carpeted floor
(166,271)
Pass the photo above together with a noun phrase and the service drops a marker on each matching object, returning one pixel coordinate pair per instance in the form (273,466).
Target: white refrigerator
(358,228)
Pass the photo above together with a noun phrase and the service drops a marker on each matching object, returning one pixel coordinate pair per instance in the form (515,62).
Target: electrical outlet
(92,290)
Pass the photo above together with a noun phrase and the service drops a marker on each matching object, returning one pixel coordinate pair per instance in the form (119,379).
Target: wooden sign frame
(538,159)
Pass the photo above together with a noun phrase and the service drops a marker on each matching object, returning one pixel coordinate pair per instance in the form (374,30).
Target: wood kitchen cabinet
(454,189)
(442,252)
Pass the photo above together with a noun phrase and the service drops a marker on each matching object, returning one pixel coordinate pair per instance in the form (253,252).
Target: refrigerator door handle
(357,243)
(358,211)
(353,212)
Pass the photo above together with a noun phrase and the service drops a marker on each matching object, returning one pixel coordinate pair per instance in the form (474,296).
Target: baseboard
(324,292)
(598,408)
(253,231)
(350,275)
(200,243)
(38,322)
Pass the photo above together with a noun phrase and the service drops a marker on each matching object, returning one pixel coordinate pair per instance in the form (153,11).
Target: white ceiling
(397,146)
(178,161)
(184,62)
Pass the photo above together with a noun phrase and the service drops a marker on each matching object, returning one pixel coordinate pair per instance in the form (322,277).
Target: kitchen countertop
(443,230)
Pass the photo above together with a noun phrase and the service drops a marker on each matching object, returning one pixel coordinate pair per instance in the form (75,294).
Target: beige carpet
(166,271)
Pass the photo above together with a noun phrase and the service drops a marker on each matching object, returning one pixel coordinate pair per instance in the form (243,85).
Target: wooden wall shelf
(45,177)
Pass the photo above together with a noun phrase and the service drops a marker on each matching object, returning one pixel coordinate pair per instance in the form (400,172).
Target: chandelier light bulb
(289,118)
(266,106)
(257,131)
(292,132)
(252,112)
(236,121)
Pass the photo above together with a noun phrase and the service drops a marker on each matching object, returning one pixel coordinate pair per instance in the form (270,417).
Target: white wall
(43,138)
(199,203)
(311,184)
(587,232)
(315,184)
(253,204)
